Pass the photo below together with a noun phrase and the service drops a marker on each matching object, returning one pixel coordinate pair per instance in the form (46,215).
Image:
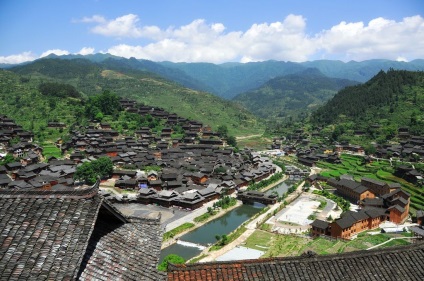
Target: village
(164,182)
(189,173)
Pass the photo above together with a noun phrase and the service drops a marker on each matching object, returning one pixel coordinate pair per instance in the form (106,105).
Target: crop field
(51,150)
(379,170)
(277,245)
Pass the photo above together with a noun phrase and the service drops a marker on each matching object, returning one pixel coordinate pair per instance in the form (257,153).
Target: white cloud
(285,40)
(199,41)
(57,52)
(86,51)
(124,26)
(19,58)
(381,38)
(95,18)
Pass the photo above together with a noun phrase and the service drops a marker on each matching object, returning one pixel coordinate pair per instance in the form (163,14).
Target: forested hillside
(388,101)
(230,79)
(91,78)
(292,95)
(33,104)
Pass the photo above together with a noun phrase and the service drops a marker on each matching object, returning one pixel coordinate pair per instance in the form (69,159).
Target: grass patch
(204,217)
(285,245)
(196,259)
(266,227)
(395,242)
(290,245)
(50,150)
(170,234)
(231,237)
(261,238)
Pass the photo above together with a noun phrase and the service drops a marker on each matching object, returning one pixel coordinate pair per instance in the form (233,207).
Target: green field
(277,245)
(51,150)
(379,170)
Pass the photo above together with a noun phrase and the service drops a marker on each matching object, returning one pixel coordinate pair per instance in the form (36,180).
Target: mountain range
(269,89)
(91,78)
(227,80)
(292,95)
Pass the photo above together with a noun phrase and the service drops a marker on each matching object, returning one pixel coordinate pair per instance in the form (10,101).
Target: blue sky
(213,31)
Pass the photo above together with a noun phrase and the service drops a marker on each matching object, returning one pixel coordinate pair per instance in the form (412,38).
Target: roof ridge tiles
(69,194)
(338,256)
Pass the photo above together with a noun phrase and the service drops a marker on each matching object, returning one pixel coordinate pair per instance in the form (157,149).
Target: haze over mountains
(91,78)
(230,79)
(269,89)
(293,94)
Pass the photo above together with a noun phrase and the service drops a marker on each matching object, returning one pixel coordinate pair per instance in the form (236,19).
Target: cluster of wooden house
(53,175)
(28,171)
(409,149)
(9,131)
(379,201)
(308,154)
(183,172)
(16,141)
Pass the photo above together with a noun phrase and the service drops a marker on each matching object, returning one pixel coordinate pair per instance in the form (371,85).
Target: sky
(216,31)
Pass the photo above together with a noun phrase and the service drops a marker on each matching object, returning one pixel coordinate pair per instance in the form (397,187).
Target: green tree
(222,131)
(172,258)
(7,159)
(370,149)
(89,172)
(103,167)
(231,140)
(86,173)
(224,240)
(106,103)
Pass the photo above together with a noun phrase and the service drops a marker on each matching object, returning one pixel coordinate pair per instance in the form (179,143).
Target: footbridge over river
(251,196)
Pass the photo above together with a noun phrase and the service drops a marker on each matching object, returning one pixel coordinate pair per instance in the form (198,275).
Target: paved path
(190,216)
(251,227)
(370,248)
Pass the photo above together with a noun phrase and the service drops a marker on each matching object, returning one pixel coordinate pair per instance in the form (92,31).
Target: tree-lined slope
(92,78)
(230,79)
(291,95)
(391,99)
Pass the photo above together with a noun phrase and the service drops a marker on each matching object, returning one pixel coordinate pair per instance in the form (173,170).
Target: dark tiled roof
(108,258)
(44,238)
(320,224)
(75,233)
(396,263)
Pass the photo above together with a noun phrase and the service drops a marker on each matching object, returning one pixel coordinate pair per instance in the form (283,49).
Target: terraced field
(379,170)
(277,245)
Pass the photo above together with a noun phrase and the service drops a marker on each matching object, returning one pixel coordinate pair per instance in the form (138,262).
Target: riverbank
(250,228)
(202,210)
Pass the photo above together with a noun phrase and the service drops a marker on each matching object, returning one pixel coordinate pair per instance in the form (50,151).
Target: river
(193,242)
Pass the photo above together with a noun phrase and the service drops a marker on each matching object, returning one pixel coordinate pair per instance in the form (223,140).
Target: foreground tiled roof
(74,234)
(127,252)
(44,236)
(397,263)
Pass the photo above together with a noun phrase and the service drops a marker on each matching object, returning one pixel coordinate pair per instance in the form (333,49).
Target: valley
(174,151)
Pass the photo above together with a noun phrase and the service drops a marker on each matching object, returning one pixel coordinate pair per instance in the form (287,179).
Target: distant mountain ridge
(122,77)
(230,79)
(293,94)
(390,100)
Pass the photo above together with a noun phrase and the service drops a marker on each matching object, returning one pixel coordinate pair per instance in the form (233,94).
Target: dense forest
(124,79)
(292,95)
(392,98)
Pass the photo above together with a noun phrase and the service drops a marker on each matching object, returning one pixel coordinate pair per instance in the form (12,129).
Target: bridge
(251,196)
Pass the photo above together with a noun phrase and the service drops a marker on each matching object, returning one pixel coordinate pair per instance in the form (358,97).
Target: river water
(192,243)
